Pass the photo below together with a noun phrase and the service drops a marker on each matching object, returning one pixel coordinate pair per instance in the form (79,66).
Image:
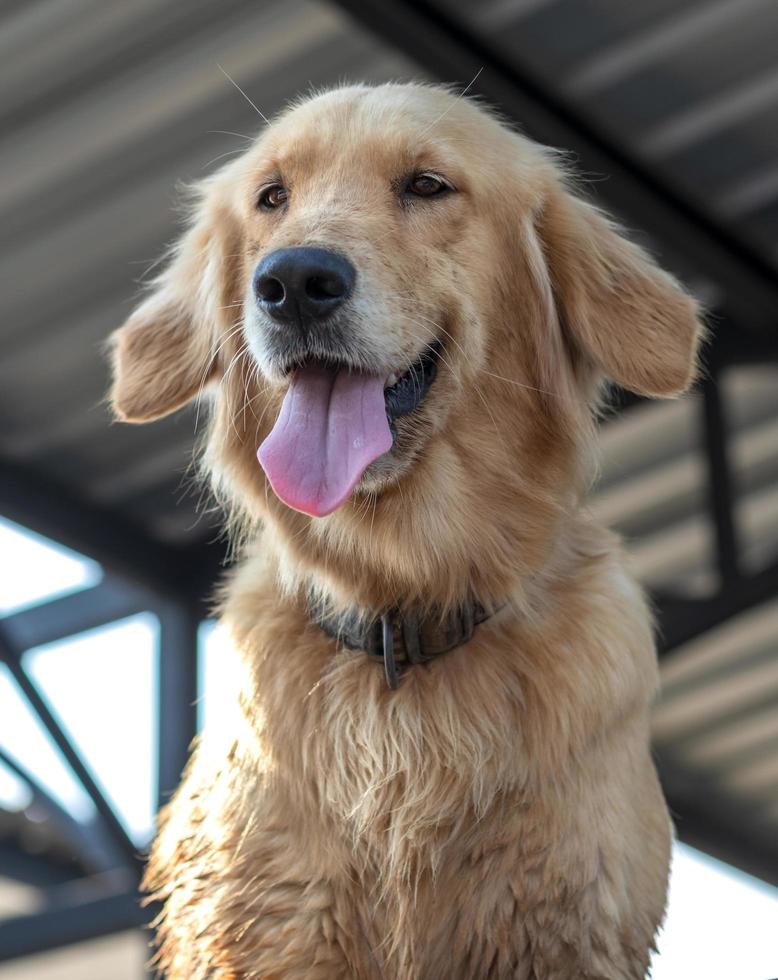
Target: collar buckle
(391,669)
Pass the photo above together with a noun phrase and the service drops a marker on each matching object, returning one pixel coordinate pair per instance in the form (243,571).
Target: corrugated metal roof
(689,86)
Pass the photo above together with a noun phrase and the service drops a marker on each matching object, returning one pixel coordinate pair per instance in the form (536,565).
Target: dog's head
(401,304)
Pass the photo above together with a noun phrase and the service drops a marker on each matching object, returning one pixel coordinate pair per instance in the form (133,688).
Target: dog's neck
(396,566)
(401,639)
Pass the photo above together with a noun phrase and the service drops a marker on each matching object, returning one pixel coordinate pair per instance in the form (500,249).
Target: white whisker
(227,132)
(221,156)
(461,95)
(253,106)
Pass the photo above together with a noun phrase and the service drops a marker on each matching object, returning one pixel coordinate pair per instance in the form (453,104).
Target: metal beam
(118,544)
(443,45)
(100,916)
(33,869)
(683,619)
(70,614)
(177,711)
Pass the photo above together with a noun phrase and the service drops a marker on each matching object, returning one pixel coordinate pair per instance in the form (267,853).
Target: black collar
(400,640)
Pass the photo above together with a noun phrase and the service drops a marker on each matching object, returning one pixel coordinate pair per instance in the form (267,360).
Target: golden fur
(499,815)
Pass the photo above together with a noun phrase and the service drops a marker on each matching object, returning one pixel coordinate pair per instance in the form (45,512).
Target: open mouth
(334,422)
(404,393)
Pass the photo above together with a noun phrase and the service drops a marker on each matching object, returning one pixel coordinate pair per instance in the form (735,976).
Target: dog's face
(365,228)
(390,291)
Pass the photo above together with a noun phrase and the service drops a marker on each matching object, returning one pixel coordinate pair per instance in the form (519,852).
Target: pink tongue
(331,426)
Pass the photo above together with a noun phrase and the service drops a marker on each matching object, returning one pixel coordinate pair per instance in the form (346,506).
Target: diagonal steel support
(89,845)
(40,706)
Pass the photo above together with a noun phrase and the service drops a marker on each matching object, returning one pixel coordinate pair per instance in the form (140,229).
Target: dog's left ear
(167,350)
(619,310)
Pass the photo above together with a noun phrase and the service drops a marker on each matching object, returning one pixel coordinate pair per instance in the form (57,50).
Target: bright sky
(721,924)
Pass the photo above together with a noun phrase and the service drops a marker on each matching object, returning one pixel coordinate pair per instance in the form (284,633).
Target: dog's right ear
(167,350)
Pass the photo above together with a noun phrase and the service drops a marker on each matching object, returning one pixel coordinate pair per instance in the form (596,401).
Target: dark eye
(426,185)
(273,197)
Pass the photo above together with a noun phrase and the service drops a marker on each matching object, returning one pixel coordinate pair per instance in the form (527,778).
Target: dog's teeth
(391,380)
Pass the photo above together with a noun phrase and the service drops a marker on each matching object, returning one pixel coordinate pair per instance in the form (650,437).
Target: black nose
(303,283)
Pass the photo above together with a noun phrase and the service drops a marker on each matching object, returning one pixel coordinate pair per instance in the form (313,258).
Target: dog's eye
(273,197)
(426,185)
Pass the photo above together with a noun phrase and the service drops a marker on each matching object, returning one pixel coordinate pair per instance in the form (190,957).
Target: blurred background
(108,665)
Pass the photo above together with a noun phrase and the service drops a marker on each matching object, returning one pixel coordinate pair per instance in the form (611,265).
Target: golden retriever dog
(403,314)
